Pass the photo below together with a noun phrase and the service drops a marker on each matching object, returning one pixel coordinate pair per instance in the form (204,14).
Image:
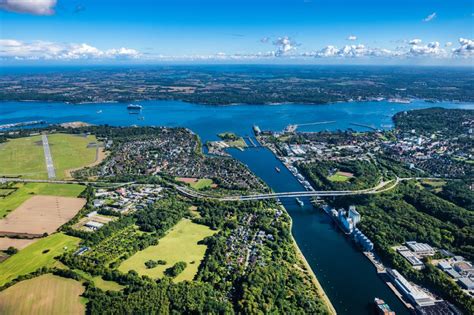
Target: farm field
(18,243)
(179,244)
(25,156)
(26,191)
(46,294)
(41,214)
(37,255)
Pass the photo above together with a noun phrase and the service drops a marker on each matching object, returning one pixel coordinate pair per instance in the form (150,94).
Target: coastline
(314,279)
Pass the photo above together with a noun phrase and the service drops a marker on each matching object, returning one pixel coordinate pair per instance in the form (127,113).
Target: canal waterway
(347,276)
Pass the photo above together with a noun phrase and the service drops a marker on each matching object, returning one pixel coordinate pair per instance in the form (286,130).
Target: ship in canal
(382,308)
(299,202)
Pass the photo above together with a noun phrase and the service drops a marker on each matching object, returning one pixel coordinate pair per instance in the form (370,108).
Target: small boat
(134,106)
(277,169)
(99,111)
(299,202)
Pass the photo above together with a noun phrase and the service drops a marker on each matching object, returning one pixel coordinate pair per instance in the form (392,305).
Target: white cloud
(430,17)
(415,41)
(466,49)
(433,49)
(352,51)
(284,45)
(43,50)
(352,37)
(37,7)
(448,44)
(265,40)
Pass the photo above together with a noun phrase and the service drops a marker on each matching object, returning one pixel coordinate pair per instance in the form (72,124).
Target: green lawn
(46,294)
(202,183)
(34,256)
(180,244)
(27,190)
(25,156)
(338,177)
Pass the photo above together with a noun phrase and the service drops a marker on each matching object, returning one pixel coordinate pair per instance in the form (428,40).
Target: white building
(412,293)
(94,225)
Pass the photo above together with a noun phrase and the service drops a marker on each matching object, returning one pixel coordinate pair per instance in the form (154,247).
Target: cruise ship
(134,106)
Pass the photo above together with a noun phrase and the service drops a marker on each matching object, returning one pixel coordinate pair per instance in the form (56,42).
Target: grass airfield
(25,156)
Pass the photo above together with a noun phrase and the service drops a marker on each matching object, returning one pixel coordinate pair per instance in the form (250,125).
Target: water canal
(346,275)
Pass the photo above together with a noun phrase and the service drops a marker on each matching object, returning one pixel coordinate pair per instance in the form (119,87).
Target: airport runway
(48,158)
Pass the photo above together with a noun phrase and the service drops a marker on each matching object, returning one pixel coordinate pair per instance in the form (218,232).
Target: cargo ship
(382,308)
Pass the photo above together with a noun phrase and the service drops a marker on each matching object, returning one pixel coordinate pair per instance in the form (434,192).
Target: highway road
(383,186)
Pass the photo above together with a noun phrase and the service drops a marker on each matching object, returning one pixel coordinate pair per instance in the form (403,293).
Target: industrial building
(94,225)
(410,257)
(363,240)
(412,293)
(420,249)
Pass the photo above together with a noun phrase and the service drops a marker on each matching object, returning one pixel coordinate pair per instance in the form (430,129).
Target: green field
(99,282)
(180,244)
(27,190)
(202,183)
(25,156)
(338,177)
(46,294)
(71,152)
(34,256)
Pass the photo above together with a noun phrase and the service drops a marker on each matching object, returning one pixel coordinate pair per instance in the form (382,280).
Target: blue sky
(312,31)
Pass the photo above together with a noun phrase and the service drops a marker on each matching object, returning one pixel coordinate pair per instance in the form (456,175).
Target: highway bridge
(383,186)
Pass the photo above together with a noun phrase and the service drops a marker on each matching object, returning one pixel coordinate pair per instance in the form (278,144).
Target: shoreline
(314,279)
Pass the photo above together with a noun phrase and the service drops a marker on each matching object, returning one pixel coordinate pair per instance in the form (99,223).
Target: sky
(237,31)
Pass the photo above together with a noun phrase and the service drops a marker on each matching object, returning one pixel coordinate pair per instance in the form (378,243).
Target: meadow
(26,191)
(46,294)
(37,255)
(179,244)
(340,177)
(25,156)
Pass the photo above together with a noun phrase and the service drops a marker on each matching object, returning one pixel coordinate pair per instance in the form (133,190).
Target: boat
(99,111)
(277,169)
(298,201)
(382,308)
(134,106)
